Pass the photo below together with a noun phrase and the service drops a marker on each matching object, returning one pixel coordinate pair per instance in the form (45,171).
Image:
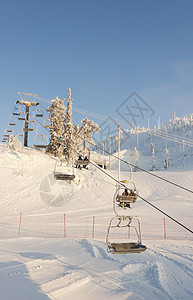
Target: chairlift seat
(126,248)
(27,129)
(127,199)
(63,176)
(12,123)
(40,146)
(80,162)
(39,115)
(21,118)
(16,113)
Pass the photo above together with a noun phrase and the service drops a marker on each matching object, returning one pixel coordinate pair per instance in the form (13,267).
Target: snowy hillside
(53,233)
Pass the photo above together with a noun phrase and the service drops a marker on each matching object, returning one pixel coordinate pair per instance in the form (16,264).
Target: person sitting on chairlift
(77,165)
(86,158)
(125,193)
(125,204)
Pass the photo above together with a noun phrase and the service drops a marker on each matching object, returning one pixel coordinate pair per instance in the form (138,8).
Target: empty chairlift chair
(9,130)
(40,140)
(118,247)
(12,122)
(21,116)
(39,113)
(63,172)
(16,111)
(20,135)
(30,122)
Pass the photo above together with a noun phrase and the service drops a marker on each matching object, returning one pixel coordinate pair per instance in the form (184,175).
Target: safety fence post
(129,232)
(19,230)
(164,229)
(64,226)
(93,227)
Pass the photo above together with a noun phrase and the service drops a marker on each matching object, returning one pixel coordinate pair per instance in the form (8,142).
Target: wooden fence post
(93,227)
(64,226)
(164,228)
(19,230)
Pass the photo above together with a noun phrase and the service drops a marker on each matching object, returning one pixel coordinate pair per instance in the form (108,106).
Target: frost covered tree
(167,161)
(14,143)
(154,164)
(70,129)
(136,155)
(85,132)
(56,128)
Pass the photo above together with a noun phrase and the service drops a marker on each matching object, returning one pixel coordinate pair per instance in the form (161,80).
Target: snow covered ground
(42,264)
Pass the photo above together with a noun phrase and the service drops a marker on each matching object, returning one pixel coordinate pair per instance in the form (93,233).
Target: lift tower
(28,100)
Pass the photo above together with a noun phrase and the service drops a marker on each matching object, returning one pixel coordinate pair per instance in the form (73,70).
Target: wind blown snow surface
(46,262)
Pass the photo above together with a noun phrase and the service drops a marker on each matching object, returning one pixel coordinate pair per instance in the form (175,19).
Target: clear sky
(103,49)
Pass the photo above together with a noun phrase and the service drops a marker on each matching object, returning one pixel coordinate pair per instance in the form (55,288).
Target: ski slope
(42,264)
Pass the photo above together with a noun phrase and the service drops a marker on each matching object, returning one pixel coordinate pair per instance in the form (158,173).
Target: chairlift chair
(12,122)
(83,162)
(46,123)
(123,199)
(30,122)
(40,141)
(20,135)
(124,221)
(21,116)
(16,111)
(39,113)
(125,247)
(59,173)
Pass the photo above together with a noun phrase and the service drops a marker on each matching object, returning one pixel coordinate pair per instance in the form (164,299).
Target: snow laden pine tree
(136,155)
(167,161)
(154,164)
(85,132)
(56,128)
(69,138)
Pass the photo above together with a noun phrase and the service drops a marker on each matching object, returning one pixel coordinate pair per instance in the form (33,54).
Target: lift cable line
(120,183)
(143,199)
(124,161)
(173,139)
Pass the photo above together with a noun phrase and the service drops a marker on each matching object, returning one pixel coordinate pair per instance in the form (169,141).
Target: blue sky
(102,50)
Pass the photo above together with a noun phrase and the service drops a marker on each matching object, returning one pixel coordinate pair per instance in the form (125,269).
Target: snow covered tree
(56,128)
(69,136)
(167,161)
(86,131)
(136,155)
(154,164)
(14,143)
